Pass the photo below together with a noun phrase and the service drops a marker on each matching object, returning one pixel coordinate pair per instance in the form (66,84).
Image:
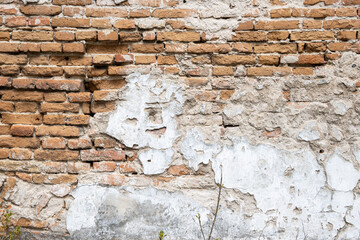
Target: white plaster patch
(155,161)
(342,176)
(340,107)
(310,132)
(194,148)
(145,117)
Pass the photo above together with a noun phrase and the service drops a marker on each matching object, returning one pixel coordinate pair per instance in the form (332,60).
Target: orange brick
(86,35)
(72,11)
(20,154)
(276,25)
(107,36)
(276,47)
(39,21)
(51,47)
(79,97)
(8,10)
(11,118)
(79,143)
(342,24)
(47,10)
(130,36)
(166,60)
(54,119)
(222,71)
(315,47)
(346,12)
(104,142)
(28,47)
(73,47)
(9,47)
(107,49)
(175,24)
(145,59)
(70,22)
(346,35)
(6,106)
(25,107)
(104,166)
(125,24)
(280,13)
(311,59)
(5,82)
(4,130)
(179,36)
(250,36)
(77,119)
(20,142)
(24,131)
(102,155)
(147,48)
(268,59)
(64,36)
(100,23)
(139,13)
(22,96)
(55,97)
(124,58)
(61,85)
(99,107)
(106,12)
(59,107)
(127,168)
(174,13)
(312,35)
(277,36)
(350,2)
(15,21)
(55,155)
(268,71)
(249,25)
(176,47)
(312,24)
(32,36)
(233,59)
(54,143)
(62,131)
(303,71)
(42,71)
(209,48)
(178,170)
(4,36)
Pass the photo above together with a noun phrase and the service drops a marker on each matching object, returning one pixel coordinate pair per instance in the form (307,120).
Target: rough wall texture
(118,117)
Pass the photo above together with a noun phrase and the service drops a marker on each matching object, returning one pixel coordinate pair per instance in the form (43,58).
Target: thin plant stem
(217,207)
(201,228)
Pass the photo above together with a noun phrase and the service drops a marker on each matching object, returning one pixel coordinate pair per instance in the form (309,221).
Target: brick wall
(64,62)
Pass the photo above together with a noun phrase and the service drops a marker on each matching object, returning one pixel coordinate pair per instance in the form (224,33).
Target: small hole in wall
(184,1)
(321,151)
(66,58)
(354,65)
(149,160)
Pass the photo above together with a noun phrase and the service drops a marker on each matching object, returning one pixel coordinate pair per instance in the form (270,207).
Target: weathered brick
(74,71)
(174,13)
(42,71)
(312,24)
(55,155)
(55,97)
(100,23)
(127,167)
(62,131)
(280,13)
(81,143)
(73,47)
(4,129)
(346,12)
(79,97)
(99,107)
(64,36)
(102,155)
(77,119)
(4,36)
(179,36)
(107,35)
(72,11)
(209,48)
(103,142)
(15,21)
(9,47)
(147,48)
(342,24)
(59,107)
(233,59)
(39,21)
(207,96)
(32,36)
(268,71)
(25,107)
(12,118)
(5,82)
(24,131)
(303,71)
(250,36)
(107,49)
(9,70)
(166,60)
(6,106)
(4,153)
(222,71)
(130,36)
(51,47)
(276,47)
(20,142)
(60,85)
(71,22)
(124,24)
(54,143)
(54,119)
(28,47)
(124,58)
(104,166)
(346,35)
(268,59)
(32,96)
(139,13)
(312,35)
(249,25)
(48,10)
(72,2)
(350,2)
(20,154)
(315,47)
(311,59)
(86,35)
(277,36)
(106,84)
(106,12)
(276,25)
(176,47)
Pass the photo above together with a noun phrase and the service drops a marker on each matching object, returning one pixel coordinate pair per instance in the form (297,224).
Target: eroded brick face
(65,65)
